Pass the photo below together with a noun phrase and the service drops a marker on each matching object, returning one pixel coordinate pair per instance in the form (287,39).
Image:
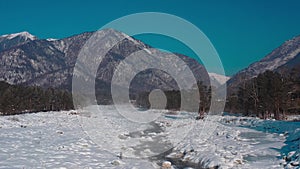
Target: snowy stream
(60,140)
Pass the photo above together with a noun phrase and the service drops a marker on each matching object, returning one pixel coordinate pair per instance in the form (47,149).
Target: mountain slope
(29,61)
(282,58)
(11,40)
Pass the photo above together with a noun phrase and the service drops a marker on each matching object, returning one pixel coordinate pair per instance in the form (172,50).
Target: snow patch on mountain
(51,39)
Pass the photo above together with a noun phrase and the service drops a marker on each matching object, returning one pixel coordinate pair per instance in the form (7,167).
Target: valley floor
(74,139)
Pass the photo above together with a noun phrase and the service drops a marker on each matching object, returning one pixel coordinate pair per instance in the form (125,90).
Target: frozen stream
(64,140)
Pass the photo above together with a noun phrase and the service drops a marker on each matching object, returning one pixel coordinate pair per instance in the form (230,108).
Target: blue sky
(241,31)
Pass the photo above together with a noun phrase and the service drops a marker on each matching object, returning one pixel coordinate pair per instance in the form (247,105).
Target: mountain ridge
(277,60)
(50,63)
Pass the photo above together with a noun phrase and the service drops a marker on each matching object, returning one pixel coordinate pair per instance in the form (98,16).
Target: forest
(269,95)
(17,99)
(174,99)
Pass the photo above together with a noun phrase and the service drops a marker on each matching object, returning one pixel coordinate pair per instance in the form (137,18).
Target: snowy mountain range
(25,59)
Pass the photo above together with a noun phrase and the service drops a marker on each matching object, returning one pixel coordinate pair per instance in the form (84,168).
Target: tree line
(16,99)
(269,95)
(174,99)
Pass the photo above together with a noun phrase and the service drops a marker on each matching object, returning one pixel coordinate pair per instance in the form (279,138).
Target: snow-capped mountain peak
(24,34)
(221,79)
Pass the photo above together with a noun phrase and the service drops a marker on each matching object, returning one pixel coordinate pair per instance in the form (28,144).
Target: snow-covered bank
(242,142)
(59,139)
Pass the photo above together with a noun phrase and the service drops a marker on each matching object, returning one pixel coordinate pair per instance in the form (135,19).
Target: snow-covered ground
(80,139)
(244,142)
